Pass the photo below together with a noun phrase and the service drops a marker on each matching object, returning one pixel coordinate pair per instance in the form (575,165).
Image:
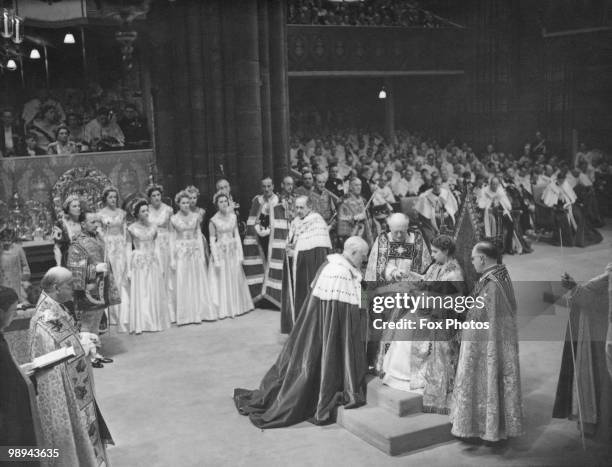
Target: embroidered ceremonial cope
(324,203)
(589,322)
(93,290)
(487,401)
(387,256)
(350,207)
(70,418)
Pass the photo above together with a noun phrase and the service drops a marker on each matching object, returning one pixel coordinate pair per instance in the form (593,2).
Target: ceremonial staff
(571,333)
(609,334)
(290,286)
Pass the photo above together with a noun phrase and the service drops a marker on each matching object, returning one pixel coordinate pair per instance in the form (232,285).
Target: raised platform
(393,421)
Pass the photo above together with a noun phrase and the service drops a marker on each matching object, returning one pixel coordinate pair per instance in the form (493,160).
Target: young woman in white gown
(114,232)
(228,283)
(159,214)
(192,295)
(194,196)
(148,303)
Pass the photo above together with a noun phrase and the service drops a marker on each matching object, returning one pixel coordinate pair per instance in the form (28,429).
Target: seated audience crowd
(536,194)
(366,13)
(97,120)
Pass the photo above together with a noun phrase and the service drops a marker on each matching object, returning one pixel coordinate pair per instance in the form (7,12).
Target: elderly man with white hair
(396,256)
(308,245)
(70,417)
(396,253)
(323,363)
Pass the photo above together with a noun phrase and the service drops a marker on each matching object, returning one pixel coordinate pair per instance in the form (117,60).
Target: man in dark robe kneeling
(323,363)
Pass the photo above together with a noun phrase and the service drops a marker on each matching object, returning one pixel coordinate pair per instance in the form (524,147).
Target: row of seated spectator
(362,13)
(407,165)
(45,128)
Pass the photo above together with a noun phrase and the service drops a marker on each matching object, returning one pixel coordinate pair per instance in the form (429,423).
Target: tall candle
(17,30)
(6,24)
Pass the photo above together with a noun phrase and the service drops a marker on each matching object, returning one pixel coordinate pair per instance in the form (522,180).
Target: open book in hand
(51,359)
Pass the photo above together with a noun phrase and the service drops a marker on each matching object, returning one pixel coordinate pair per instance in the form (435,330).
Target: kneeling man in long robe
(307,249)
(487,401)
(323,363)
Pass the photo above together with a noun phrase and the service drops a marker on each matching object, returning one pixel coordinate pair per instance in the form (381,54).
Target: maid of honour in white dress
(159,214)
(192,295)
(194,195)
(114,232)
(148,302)
(227,280)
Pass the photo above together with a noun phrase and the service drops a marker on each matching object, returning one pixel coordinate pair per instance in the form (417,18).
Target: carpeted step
(399,403)
(395,435)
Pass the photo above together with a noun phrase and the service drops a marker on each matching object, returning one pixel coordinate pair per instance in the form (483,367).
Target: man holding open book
(70,418)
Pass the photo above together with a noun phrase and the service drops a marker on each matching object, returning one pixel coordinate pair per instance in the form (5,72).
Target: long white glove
(89,342)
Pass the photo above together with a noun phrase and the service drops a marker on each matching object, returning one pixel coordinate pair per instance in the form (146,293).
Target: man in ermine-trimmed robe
(497,217)
(323,363)
(571,228)
(308,245)
(437,207)
(264,245)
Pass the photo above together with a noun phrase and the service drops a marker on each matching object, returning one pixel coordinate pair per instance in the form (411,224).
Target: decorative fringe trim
(438,410)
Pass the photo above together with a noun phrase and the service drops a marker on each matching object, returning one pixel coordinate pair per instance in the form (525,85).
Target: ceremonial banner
(273,281)
(253,263)
(265,278)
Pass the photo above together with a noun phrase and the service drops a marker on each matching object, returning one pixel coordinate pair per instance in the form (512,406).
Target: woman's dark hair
(7,298)
(60,128)
(68,201)
(107,191)
(8,235)
(153,189)
(218,196)
(444,243)
(137,206)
